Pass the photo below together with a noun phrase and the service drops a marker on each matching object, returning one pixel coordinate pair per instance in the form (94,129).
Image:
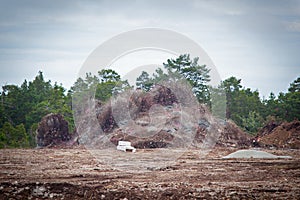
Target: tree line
(22,107)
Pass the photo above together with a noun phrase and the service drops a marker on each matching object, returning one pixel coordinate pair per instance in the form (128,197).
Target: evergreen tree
(144,82)
(189,69)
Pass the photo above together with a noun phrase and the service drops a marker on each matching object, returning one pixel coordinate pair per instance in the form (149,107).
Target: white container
(125,146)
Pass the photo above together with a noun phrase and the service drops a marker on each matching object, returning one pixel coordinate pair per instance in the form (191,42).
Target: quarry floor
(76,174)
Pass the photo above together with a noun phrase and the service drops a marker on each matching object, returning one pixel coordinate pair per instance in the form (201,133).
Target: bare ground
(75,174)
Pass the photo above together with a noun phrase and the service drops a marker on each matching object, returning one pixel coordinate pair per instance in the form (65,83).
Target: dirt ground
(76,174)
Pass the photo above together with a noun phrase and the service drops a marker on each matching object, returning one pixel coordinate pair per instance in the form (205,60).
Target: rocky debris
(138,104)
(160,140)
(163,117)
(52,130)
(233,136)
(141,102)
(284,135)
(225,133)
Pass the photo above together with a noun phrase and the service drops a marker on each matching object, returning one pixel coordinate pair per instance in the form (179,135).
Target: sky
(253,40)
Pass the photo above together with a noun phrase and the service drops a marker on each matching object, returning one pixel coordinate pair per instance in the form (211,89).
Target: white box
(125,146)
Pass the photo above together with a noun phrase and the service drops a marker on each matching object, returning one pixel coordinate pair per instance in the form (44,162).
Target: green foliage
(144,82)
(231,86)
(180,68)
(295,86)
(107,83)
(189,69)
(105,90)
(250,112)
(26,105)
(111,84)
(252,122)
(243,105)
(109,75)
(11,136)
(218,102)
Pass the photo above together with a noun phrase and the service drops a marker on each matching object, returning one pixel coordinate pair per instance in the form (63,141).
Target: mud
(75,174)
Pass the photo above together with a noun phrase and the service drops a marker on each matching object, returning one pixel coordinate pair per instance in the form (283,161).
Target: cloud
(293,26)
(241,36)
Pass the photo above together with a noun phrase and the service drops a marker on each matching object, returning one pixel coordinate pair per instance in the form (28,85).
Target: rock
(38,191)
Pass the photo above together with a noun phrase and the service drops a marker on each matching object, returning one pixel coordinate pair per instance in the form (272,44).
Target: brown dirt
(75,174)
(230,135)
(284,135)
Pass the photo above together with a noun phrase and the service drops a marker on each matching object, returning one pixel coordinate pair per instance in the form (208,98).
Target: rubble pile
(224,133)
(233,136)
(52,130)
(182,127)
(284,135)
(138,104)
(161,139)
(166,116)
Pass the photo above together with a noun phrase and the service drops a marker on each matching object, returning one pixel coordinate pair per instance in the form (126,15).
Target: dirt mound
(52,130)
(285,135)
(268,128)
(232,135)
(165,116)
(138,104)
(229,134)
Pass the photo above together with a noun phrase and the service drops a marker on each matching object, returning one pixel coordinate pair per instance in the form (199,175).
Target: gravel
(254,154)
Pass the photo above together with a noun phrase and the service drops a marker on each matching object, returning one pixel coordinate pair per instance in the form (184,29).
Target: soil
(281,135)
(75,174)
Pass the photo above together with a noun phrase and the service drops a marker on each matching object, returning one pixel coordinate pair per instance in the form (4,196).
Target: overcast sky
(256,41)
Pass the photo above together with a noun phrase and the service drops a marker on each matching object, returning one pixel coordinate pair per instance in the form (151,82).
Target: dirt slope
(284,135)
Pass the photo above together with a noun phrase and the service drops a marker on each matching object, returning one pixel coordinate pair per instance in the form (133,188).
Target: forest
(23,106)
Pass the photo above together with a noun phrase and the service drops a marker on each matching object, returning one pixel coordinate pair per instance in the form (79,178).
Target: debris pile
(166,116)
(161,139)
(226,133)
(139,104)
(52,130)
(268,128)
(281,135)
(233,136)
(203,129)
